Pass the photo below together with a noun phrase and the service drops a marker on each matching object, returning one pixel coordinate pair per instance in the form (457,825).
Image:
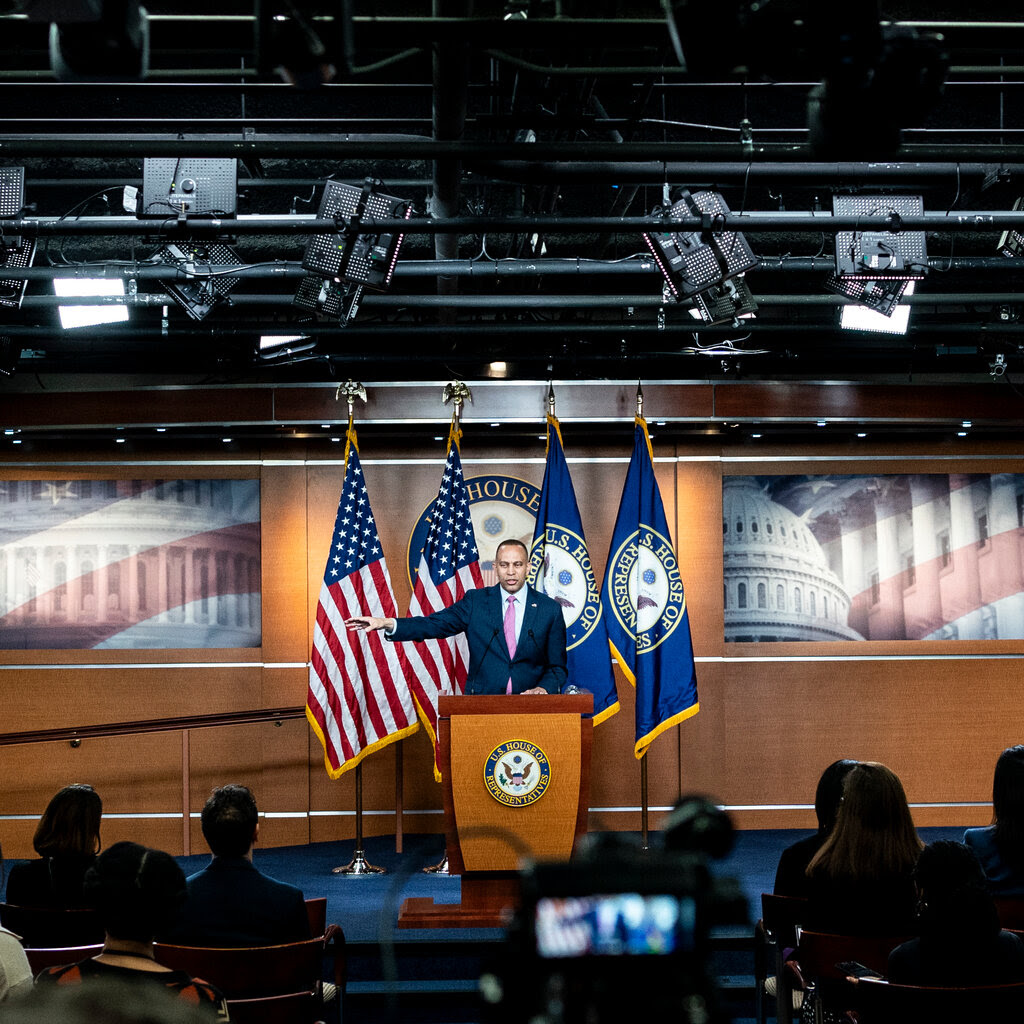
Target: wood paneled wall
(767,725)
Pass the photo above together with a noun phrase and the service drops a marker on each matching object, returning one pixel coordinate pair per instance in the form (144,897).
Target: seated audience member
(136,891)
(861,880)
(791,875)
(1000,846)
(106,1000)
(67,840)
(15,973)
(960,941)
(230,902)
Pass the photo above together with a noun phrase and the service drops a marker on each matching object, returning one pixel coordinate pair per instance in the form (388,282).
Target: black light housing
(694,261)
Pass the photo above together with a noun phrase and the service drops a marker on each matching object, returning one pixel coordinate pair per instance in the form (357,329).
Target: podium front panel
(523,823)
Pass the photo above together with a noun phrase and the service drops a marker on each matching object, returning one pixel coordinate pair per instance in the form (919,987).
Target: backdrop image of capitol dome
(901,557)
(130,564)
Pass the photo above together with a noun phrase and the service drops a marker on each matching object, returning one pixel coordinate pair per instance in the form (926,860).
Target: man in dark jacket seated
(230,902)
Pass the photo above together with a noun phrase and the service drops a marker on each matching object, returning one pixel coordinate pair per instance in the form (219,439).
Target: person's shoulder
(982,836)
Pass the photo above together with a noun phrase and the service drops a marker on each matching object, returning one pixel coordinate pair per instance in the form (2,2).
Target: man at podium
(516,634)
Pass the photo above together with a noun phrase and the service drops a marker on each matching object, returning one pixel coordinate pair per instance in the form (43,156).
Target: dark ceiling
(523,134)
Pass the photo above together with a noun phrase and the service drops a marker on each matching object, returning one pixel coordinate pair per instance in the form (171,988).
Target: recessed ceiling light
(862,435)
(161,430)
(118,440)
(17,441)
(755,435)
(495,424)
(966,424)
(822,423)
(325,426)
(961,433)
(227,439)
(438,438)
(335,439)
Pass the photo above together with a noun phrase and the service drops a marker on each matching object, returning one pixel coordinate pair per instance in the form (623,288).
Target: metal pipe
(967,222)
(326,146)
(483,269)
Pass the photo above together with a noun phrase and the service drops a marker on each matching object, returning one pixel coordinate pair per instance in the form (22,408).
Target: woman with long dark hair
(67,840)
(861,880)
(1000,846)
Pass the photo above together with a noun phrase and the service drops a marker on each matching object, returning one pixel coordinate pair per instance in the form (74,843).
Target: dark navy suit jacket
(231,903)
(540,650)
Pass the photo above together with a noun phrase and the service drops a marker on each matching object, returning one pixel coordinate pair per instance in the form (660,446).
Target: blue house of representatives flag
(560,567)
(644,604)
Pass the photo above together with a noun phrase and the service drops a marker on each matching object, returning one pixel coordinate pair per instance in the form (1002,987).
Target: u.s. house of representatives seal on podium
(517,773)
(647,591)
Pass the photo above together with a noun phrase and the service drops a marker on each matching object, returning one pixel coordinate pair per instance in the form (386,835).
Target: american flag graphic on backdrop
(449,567)
(140,564)
(359,699)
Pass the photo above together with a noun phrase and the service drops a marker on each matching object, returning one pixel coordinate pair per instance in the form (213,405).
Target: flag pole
(358,865)
(644,806)
(456,392)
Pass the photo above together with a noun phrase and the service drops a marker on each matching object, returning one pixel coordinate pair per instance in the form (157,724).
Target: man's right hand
(369,622)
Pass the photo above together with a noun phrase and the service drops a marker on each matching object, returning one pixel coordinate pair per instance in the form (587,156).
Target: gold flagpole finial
(639,401)
(458,392)
(551,399)
(352,390)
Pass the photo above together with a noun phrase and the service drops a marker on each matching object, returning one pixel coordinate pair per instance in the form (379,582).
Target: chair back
(291,1008)
(1011,912)
(821,951)
(316,911)
(878,1002)
(52,926)
(57,956)
(782,915)
(250,973)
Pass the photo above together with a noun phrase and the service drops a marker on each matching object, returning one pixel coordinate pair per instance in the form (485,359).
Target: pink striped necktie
(510,633)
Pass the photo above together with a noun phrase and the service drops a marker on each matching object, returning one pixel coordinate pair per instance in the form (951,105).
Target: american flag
(359,699)
(449,567)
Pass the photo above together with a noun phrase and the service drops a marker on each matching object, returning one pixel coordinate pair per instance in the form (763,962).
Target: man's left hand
(536,689)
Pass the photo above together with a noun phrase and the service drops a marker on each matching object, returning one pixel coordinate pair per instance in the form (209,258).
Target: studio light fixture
(1011,243)
(725,303)
(200,285)
(186,186)
(863,318)
(12,289)
(692,262)
(874,267)
(89,316)
(350,254)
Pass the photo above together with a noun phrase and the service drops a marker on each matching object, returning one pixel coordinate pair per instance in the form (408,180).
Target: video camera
(618,931)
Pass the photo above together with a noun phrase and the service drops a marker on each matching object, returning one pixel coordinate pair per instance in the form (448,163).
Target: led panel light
(881,254)
(364,259)
(1011,243)
(878,294)
(725,302)
(861,318)
(200,287)
(172,186)
(89,316)
(12,289)
(694,261)
(12,199)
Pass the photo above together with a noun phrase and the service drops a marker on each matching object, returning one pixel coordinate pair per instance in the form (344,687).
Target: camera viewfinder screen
(618,924)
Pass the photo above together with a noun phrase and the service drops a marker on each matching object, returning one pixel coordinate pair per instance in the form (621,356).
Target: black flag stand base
(359,865)
(440,868)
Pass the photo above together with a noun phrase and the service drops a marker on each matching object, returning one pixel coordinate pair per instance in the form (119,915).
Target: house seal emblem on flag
(517,773)
(646,589)
(501,507)
(561,567)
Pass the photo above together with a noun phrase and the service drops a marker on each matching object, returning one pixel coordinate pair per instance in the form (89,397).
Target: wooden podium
(516,778)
